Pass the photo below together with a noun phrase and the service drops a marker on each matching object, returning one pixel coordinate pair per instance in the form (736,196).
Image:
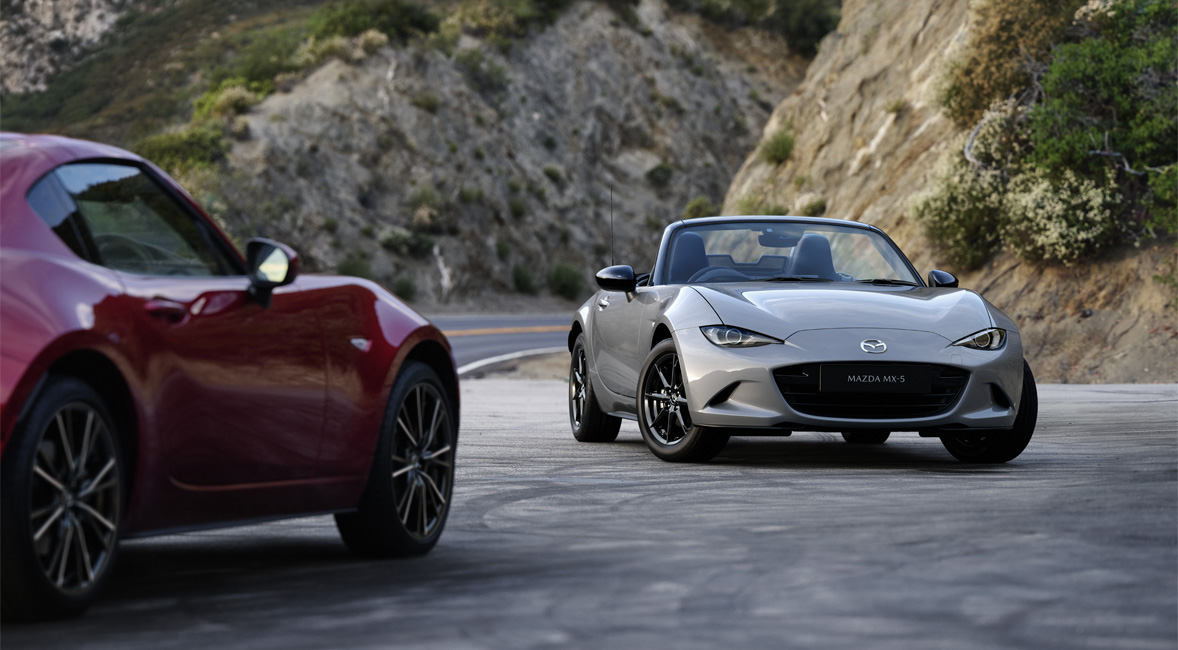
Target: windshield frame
(659,275)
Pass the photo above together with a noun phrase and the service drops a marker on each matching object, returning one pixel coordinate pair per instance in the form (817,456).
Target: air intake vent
(799,385)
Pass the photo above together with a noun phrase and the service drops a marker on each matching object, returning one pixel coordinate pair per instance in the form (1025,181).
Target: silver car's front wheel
(663,415)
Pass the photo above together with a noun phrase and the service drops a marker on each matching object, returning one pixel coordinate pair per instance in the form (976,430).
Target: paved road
(479,338)
(803,542)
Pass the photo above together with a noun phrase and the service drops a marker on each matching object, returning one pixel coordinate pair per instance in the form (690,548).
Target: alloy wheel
(577,396)
(422,461)
(664,401)
(75,497)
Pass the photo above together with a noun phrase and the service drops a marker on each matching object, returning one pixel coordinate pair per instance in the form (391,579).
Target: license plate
(875,379)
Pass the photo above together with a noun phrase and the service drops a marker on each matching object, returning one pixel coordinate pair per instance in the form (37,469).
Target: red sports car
(154,380)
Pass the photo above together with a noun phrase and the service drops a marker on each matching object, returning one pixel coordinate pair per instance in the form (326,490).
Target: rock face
(44,37)
(867,132)
(462,174)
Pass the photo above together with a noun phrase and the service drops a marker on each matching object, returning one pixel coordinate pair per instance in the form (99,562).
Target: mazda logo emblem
(874,346)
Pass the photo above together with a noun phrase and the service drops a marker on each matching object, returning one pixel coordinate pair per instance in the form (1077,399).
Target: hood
(780,310)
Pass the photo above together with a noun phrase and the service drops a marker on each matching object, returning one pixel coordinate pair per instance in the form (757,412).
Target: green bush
(502,249)
(778,147)
(814,208)
(963,211)
(517,207)
(521,277)
(554,175)
(356,264)
(484,75)
(1162,201)
(566,281)
(395,18)
(660,175)
(427,102)
(804,22)
(405,288)
(1115,92)
(196,147)
(700,206)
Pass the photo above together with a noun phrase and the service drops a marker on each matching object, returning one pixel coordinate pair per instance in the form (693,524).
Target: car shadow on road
(829,451)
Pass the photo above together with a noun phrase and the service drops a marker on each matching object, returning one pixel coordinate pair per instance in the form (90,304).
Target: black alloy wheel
(589,422)
(663,414)
(404,507)
(63,483)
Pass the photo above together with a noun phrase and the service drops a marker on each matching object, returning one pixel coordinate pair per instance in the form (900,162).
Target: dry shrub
(1006,38)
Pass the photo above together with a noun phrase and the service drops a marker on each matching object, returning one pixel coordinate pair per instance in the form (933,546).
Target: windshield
(784,252)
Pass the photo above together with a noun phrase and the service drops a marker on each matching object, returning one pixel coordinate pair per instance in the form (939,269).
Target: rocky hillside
(43,37)
(867,132)
(451,175)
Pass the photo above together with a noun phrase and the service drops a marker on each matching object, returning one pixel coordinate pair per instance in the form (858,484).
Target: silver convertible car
(770,325)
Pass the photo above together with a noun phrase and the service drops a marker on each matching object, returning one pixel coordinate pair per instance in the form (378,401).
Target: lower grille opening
(799,385)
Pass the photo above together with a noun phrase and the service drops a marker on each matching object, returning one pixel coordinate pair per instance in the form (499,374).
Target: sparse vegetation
(355,263)
(404,287)
(566,281)
(700,206)
(521,278)
(1059,176)
(802,22)
(778,147)
(483,74)
(1004,34)
(660,175)
(554,174)
(813,208)
(427,102)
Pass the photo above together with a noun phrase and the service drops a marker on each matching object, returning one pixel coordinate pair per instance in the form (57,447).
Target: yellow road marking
(536,329)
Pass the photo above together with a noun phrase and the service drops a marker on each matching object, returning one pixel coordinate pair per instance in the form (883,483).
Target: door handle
(169,310)
(603,302)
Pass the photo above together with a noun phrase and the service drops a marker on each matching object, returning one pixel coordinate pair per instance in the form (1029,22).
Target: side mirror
(942,279)
(617,278)
(271,265)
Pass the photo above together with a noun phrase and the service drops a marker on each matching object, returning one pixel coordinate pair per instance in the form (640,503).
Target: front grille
(799,387)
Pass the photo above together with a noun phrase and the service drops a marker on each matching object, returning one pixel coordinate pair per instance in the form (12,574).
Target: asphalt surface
(802,542)
(480,338)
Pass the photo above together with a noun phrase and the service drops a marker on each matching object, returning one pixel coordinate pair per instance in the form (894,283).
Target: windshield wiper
(904,283)
(797,278)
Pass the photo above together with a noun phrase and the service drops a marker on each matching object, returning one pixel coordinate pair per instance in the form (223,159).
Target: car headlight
(726,336)
(991,339)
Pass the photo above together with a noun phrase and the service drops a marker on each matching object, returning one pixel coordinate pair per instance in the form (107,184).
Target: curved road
(479,339)
(801,542)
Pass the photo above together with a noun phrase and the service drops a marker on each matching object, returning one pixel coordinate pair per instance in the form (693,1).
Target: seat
(687,257)
(812,259)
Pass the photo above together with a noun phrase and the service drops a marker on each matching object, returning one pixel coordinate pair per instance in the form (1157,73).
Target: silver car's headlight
(727,336)
(991,339)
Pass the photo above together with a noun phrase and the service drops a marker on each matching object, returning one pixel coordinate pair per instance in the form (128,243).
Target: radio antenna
(611,224)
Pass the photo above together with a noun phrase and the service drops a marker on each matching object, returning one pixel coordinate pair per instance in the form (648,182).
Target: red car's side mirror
(271,265)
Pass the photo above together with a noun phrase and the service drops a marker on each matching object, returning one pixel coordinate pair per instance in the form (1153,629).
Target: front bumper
(735,388)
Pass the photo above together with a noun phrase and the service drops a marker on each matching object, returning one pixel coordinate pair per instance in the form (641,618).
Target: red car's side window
(49,200)
(136,226)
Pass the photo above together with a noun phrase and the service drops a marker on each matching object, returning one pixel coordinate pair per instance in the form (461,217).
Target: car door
(618,328)
(236,392)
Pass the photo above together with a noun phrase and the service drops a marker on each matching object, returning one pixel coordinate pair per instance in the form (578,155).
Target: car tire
(64,486)
(1006,445)
(663,416)
(405,503)
(589,422)
(866,437)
